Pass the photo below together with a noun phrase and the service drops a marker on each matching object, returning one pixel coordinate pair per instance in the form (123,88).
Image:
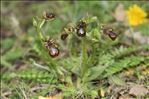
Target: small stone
(138,90)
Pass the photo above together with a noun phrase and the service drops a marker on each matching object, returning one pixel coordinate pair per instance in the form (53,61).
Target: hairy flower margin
(136,15)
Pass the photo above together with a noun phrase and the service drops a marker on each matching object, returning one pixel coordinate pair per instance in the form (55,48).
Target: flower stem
(84,58)
(132,33)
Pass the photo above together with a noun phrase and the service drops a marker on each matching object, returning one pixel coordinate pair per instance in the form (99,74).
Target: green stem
(39,31)
(84,58)
(47,58)
(132,31)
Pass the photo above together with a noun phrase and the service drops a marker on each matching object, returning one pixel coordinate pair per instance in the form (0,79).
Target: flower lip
(53,51)
(108,31)
(52,47)
(81,32)
(81,28)
(112,35)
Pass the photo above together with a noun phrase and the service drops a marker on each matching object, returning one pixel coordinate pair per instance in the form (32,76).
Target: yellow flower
(136,15)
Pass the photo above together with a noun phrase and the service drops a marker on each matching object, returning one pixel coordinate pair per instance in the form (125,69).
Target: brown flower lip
(52,48)
(112,35)
(109,31)
(81,32)
(81,29)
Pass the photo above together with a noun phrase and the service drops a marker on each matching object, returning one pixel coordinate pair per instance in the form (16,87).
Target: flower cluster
(80,28)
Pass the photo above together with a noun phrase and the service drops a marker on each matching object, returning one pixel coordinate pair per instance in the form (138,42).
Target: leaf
(39,66)
(125,63)
(72,63)
(93,19)
(96,72)
(41,24)
(13,54)
(117,80)
(10,56)
(123,51)
(34,22)
(5,63)
(7,43)
(94,94)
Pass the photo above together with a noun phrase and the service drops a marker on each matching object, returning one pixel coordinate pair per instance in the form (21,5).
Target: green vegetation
(98,65)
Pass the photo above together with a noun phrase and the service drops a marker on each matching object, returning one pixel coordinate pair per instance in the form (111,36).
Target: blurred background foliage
(18,35)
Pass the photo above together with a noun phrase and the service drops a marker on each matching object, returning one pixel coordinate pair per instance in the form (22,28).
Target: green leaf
(5,63)
(41,24)
(7,43)
(34,22)
(123,51)
(125,63)
(117,80)
(93,94)
(13,54)
(96,72)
